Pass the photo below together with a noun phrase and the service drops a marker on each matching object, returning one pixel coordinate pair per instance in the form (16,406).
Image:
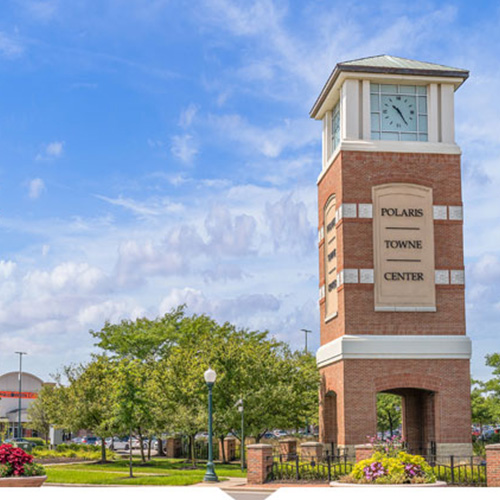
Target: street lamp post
(19,424)
(210,475)
(306,331)
(241,409)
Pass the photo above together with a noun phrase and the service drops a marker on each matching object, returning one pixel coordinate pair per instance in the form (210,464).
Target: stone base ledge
(357,485)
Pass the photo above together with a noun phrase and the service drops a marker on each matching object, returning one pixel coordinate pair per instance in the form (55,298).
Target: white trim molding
(394,347)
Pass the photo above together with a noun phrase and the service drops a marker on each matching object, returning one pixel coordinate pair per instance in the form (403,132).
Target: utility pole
(19,425)
(306,331)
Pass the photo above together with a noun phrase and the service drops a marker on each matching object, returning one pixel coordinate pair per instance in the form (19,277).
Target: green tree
(130,410)
(388,412)
(86,402)
(38,414)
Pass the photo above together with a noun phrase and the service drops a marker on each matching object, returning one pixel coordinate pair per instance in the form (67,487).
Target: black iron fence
(454,470)
(291,468)
(200,449)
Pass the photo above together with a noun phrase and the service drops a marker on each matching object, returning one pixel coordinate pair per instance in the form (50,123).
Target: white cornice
(394,347)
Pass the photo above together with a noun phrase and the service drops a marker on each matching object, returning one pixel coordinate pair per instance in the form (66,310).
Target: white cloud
(43,10)
(289,225)
(7,268)
(51,151)
(154,207)
(36,188)
(184,148)
(188,115)
(9,47)
(271,141)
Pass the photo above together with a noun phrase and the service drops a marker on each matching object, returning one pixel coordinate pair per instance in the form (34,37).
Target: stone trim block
(457,277)
(440,212)
(366,276)
(442,277)
(455,213)
(365,210)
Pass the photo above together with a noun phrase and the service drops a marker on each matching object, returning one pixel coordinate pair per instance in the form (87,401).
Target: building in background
(9,402)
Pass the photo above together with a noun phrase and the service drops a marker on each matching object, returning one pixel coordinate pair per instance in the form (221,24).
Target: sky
(159,152)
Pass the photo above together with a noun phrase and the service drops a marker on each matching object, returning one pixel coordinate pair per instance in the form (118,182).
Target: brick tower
(391,254)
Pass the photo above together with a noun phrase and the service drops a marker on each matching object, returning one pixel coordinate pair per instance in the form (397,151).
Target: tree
(388,412)
(87,401)
(38,414)
(130,410)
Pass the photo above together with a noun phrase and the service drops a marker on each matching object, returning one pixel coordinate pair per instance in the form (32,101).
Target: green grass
(167,472)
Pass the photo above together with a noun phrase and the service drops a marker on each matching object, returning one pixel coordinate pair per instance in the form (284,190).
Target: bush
(384,469)
(16,462)
(36,441)
(84,452)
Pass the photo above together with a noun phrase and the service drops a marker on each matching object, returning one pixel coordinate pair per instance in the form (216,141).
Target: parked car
(118,444)
(269,435)
(90,440)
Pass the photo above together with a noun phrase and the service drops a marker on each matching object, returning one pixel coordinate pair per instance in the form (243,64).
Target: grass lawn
(167,472)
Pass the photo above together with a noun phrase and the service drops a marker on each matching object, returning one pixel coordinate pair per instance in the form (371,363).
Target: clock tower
(391,254)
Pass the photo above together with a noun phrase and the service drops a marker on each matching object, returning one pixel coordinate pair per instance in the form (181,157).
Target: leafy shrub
(16,462)
(36,441)
(73,451)
(382,468)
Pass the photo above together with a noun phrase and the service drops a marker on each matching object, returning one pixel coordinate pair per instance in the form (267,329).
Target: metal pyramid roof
(386,64)
(393,62)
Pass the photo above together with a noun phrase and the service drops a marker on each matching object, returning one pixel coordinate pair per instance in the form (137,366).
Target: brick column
(363,451)
(288,448)
(173,447)
(229,449)
(260,462)
(311,451)
(493,465)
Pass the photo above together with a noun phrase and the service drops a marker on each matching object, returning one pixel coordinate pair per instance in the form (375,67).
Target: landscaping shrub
(16,462)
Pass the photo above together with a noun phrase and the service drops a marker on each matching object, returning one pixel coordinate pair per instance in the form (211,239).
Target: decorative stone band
(441,277)
(394,347)
(365,211)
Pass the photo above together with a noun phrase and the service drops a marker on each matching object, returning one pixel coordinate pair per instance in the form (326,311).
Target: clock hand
(400,114)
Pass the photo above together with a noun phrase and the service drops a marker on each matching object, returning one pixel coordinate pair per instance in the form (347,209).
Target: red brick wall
(357,381)
(493,465)
(351,178)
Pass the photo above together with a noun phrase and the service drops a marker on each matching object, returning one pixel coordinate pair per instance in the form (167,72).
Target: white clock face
(399,113)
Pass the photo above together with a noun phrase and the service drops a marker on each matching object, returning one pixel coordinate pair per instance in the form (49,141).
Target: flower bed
(383,469)
(16,465)
(389,464)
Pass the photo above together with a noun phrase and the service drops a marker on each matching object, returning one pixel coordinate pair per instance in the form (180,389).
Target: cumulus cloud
(230,235)
(187,115)
(184,148)
(243,306)
(71,277)
(36,188)
(51,151)
(289,225)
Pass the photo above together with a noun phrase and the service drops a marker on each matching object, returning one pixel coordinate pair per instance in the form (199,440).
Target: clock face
(399,113)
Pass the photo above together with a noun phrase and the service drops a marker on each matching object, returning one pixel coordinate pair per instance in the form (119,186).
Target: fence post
(493,465)
(311,451)
(260,462)
(452,469)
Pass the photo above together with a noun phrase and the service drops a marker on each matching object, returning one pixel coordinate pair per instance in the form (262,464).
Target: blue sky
(159,152)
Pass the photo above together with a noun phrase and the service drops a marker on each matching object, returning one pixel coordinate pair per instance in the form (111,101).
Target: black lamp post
(210,475)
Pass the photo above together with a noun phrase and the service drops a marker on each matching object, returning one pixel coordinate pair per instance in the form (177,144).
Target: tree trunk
(150,439)
(103,450)
(191,446)
(131,472)
(161,451)
(223,450)
(141,445)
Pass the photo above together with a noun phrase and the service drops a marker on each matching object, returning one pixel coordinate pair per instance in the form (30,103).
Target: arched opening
(417,416)
(389,410)
(330,419)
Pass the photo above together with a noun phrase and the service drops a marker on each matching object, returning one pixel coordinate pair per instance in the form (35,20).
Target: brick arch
(404,380)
